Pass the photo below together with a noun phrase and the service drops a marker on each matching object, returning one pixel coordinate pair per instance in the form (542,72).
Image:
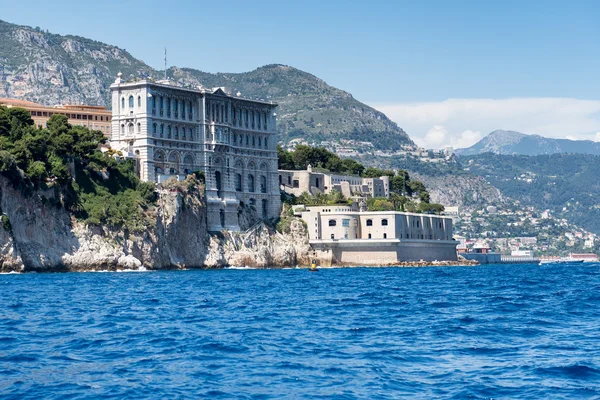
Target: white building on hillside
(173,131)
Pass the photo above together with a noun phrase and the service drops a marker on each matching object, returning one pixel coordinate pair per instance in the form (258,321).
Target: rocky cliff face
(39,236)
(460,190)
(52,69)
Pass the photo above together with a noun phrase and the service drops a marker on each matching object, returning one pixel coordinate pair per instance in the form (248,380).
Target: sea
(496,331)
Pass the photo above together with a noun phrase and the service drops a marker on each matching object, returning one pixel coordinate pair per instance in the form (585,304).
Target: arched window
(154,127)
(332,222)
(130,101)
(190,112)
(247,140)
(259,141)
(250,183)
(265,125)
(266,146)
(168,131)
(162,130)
(130,128)
(176,133)
(153,101)
(369,222)
(384,222)
(139,101)
(123,102)
(253,141)
(123,126)
(168,107)
(191,134)
(176,107)
(369,236)
(385,235)
(139,126)
(263,184)
(238,182)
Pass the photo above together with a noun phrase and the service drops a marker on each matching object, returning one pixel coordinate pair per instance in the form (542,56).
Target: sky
(447,72)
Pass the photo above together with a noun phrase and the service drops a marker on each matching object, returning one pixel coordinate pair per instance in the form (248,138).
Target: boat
(561,261)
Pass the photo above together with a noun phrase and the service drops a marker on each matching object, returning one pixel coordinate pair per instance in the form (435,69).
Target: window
(130,101)
(154,127)
(169,132)
(384,222)
(162,130)
(259,141)
(385,235)
(247,140)
(238,182)
(369,236)
(176,133)
(139,128)
(266,144)
(251,183)
(122,128)
(139,101)
(263,184)
(296,183)
(369,222)
(332,222)
(332,236)
(253,141)
(153,102)
(345,223)
(168,107)
(176,106)
(191,134)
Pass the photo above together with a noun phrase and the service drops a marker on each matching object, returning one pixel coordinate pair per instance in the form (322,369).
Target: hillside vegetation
(65,159)
(405,194)
(567,184)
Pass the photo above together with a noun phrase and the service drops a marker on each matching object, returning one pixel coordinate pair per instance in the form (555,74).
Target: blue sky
(390,54)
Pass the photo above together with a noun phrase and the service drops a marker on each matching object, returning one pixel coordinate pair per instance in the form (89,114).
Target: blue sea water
(505,331)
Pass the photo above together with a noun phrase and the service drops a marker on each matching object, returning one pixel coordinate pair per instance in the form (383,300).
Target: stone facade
(379,237)
(174,131)
(309,181)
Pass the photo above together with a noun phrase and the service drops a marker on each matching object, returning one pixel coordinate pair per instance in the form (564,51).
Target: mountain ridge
(51,69)
(517,143)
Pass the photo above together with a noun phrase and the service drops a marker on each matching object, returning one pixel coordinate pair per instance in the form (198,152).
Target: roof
(19,103)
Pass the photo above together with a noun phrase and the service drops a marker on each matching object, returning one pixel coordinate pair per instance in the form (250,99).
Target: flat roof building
(92,117)
(374,237)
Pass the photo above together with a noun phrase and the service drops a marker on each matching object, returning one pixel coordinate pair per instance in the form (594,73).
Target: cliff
(37,235)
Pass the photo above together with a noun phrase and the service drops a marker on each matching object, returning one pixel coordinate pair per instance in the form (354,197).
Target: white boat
(561,261)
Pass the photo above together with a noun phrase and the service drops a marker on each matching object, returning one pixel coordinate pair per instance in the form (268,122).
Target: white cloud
(463,122)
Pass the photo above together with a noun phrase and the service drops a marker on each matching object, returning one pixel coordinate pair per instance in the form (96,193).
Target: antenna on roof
(165,63)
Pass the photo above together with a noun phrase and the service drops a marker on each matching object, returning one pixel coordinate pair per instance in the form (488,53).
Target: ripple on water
(490,332)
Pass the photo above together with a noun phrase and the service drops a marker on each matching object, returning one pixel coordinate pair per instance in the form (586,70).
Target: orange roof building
(92,117)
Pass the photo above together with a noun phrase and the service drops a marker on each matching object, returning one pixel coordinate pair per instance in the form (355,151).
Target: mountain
(50,69)
(566,184)
(510,142)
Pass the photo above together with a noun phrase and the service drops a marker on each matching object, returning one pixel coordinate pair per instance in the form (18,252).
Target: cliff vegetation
(94,186)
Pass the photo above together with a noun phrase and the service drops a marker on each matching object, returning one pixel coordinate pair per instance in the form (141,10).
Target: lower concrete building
(350,236)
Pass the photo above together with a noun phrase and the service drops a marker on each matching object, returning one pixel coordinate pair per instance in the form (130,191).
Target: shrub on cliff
(94,186)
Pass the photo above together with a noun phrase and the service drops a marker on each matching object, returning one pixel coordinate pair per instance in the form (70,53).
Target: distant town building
(92,117)
(172,131)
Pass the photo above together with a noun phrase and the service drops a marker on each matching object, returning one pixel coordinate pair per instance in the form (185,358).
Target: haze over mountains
(51,69)
(516,143)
